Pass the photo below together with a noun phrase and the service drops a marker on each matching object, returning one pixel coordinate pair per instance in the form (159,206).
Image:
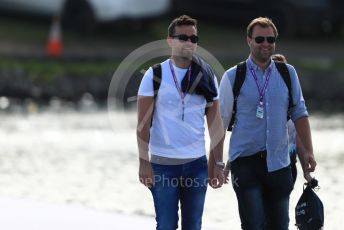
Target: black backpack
(157,81)
(240,76)
(309,211)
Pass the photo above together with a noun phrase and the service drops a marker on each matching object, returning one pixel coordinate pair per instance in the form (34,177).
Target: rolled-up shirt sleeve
(299,109)
(226,100)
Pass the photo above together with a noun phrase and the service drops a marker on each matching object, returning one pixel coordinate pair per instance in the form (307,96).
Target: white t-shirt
(170,136)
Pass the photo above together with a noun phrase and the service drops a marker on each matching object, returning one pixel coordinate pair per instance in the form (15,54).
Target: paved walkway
(20,214)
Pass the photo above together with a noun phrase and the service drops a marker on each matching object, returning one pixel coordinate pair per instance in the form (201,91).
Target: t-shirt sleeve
(217,89)
(146,86)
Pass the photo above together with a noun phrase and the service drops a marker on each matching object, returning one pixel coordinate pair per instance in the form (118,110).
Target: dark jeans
(185,183)
(263,197)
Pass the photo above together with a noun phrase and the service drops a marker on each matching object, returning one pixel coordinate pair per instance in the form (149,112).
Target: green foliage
(44,70)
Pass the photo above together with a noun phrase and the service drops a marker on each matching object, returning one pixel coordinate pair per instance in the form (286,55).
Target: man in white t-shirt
(171,131)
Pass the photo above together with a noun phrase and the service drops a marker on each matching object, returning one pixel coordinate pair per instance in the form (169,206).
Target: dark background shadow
(311,34)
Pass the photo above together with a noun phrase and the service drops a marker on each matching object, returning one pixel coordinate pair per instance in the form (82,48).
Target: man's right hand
(146,175)
(308,164)
(218,178)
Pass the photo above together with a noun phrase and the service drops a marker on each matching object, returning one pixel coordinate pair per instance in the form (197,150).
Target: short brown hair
(183,20)
(279,57)
(262,22)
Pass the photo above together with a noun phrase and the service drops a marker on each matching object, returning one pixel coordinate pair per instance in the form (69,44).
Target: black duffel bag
(309,211)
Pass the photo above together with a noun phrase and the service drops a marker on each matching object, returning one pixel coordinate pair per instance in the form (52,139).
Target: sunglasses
(184,38)
(261,39)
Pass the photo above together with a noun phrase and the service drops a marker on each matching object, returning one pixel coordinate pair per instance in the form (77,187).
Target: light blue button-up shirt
(252,134)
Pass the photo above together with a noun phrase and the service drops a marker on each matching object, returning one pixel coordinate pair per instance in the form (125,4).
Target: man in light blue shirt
(260,163)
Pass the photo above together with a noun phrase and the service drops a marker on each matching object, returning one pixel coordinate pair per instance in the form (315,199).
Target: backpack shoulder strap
(239,78)
(156,83)
(156,79)
(238,82)
(284,72)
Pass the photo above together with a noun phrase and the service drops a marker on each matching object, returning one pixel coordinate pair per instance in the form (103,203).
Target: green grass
(320,65)
(21,30)
(46,70)
(36,32)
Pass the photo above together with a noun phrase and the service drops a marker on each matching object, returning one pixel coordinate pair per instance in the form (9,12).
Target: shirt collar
(256,67)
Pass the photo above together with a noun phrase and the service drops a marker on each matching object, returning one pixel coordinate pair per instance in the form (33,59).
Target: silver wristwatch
(220,164)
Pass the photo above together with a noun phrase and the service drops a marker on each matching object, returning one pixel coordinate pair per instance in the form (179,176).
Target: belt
(170,161)
(261,154)
(258,155)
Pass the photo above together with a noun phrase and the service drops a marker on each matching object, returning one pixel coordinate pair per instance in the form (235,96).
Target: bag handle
(313,184)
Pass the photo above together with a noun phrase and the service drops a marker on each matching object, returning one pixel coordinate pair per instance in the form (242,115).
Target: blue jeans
(185,183)
(263,197)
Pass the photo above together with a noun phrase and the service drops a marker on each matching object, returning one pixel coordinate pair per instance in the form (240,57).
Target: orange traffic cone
(54,45)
